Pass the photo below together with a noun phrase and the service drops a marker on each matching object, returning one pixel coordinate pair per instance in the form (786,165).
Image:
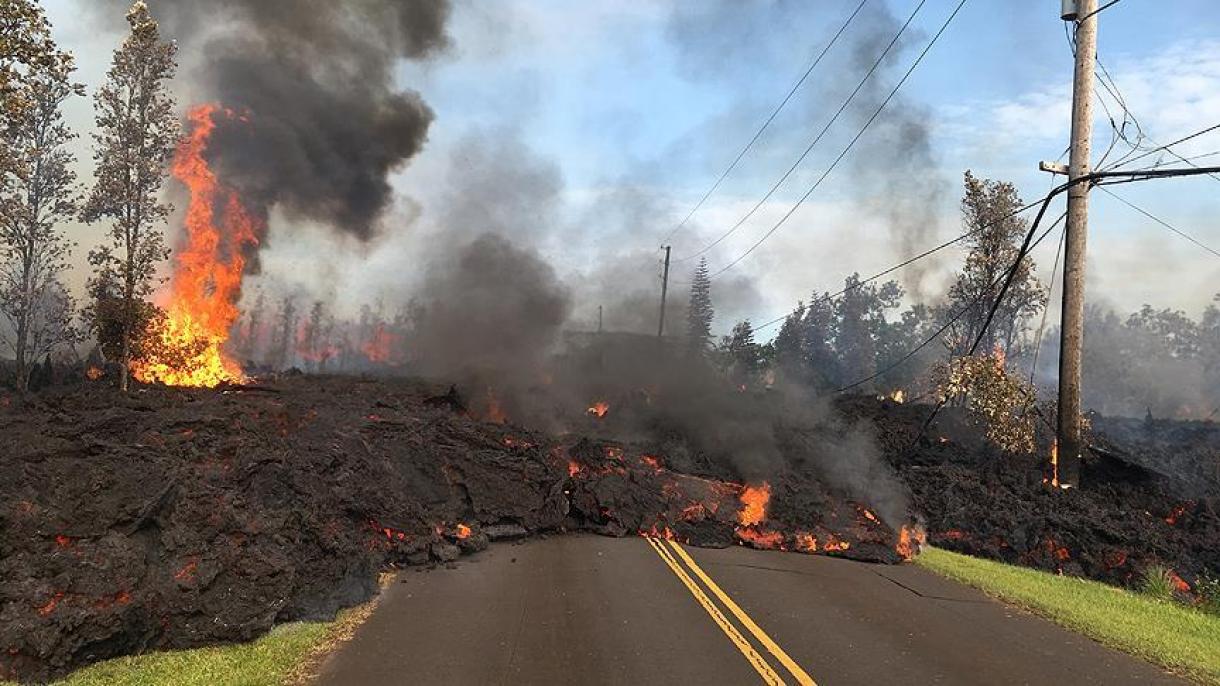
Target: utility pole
(599,318)
(1071,339)
(664,292)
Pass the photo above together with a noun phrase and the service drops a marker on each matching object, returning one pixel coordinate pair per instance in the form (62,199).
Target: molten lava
(754,501)
(598,409)
(188,346)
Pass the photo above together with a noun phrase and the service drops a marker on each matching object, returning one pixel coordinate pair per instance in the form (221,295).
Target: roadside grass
(1164,632)
(287,655)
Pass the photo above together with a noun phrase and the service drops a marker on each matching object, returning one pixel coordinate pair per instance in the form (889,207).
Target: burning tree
(37,193)
(137,131)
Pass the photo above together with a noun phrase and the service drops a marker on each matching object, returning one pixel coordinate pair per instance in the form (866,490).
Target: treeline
(863,339)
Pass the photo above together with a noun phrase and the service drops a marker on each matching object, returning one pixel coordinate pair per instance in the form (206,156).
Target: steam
(324,122)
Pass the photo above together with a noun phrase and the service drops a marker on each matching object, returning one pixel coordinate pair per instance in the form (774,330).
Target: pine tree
(38,193)
(137,133)
(700,314)
(744,353)
(789,346)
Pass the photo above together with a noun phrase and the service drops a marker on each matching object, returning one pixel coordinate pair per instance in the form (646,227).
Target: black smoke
(314,80)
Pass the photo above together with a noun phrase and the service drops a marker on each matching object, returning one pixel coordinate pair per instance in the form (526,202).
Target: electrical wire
(766,123)
(850,145)
(956,316)
(812,144)
(1160,221)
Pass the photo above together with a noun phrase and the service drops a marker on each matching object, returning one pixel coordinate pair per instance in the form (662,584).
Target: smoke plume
(321,122)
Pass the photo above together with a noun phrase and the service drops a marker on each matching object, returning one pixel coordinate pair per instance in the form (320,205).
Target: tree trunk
(125,362)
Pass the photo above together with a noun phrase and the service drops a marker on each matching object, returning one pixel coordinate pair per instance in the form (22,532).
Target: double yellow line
(670,552)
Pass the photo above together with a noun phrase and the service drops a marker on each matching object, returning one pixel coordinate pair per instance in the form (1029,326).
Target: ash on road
(595,610)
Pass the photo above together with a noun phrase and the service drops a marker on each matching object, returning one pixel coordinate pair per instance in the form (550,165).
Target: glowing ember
(463,531)
(651,461)
(754,501)
(1178,583)
(573,468)
(598,409)
(93,373)
(869,516)
(495,413)
(806,543)
(760,538)
(188,348)
(911,539)
(835,545)
(50,605)
(1174,516)
(693,512)
(898,396)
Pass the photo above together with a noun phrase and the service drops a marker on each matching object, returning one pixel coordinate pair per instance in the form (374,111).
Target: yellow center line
(758,662)
(791,665)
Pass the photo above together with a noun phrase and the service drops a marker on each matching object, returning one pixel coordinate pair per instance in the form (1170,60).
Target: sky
(589,130)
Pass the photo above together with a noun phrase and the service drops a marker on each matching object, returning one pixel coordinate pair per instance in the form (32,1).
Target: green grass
(1180,638)
(285,655)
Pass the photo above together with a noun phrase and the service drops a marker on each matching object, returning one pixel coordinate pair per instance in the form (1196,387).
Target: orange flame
(463,531)
(207,277)
(1054,480)
(495,413)
(911,539)
(380,347)
(754,501)
(806,542)
(93,373)
(598,409)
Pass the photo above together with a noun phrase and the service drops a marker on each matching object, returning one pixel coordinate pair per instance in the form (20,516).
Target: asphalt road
(593,610)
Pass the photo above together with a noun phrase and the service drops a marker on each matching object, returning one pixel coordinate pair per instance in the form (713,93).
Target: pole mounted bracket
(1053,167)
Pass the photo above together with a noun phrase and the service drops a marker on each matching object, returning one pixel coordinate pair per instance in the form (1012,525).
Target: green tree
(789,347)
(38,192)
(818,329)
(700,314)
(136,136)
(861,322)
(744,354)
(993,243)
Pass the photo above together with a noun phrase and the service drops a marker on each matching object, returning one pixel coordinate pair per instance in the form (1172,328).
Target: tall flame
(206,282)
(754,500)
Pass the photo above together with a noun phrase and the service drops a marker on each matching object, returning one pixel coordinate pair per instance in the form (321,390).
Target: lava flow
(206,283)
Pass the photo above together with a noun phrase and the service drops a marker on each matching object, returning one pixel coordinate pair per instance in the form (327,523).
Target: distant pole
(664,292)
(599,318)
(1071,341)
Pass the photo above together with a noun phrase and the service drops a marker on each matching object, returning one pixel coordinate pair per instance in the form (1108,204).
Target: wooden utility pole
(599,318)
(664,292)
(1071,443)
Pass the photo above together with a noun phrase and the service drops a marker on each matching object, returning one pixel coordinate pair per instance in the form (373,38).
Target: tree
(25,47)
(744,354)
(252,331)
(38,191)
(285,334)
(789,348)
(861,326)
(993,243)
(817,341)
(700,314)
(137,133)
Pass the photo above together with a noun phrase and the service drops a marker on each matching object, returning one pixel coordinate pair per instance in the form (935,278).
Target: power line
(1106,6)
(1160,221)
(850,145)
(812,144)
(1050,290)
(766,123)
(909,261)
(1167,146)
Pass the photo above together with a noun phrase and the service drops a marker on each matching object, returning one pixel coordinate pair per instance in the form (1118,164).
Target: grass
(1182,639)
(288,654)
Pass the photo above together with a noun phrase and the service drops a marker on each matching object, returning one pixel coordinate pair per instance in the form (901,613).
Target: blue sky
(625,113)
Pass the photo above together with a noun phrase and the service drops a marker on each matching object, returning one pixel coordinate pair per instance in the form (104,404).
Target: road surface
(593,610)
